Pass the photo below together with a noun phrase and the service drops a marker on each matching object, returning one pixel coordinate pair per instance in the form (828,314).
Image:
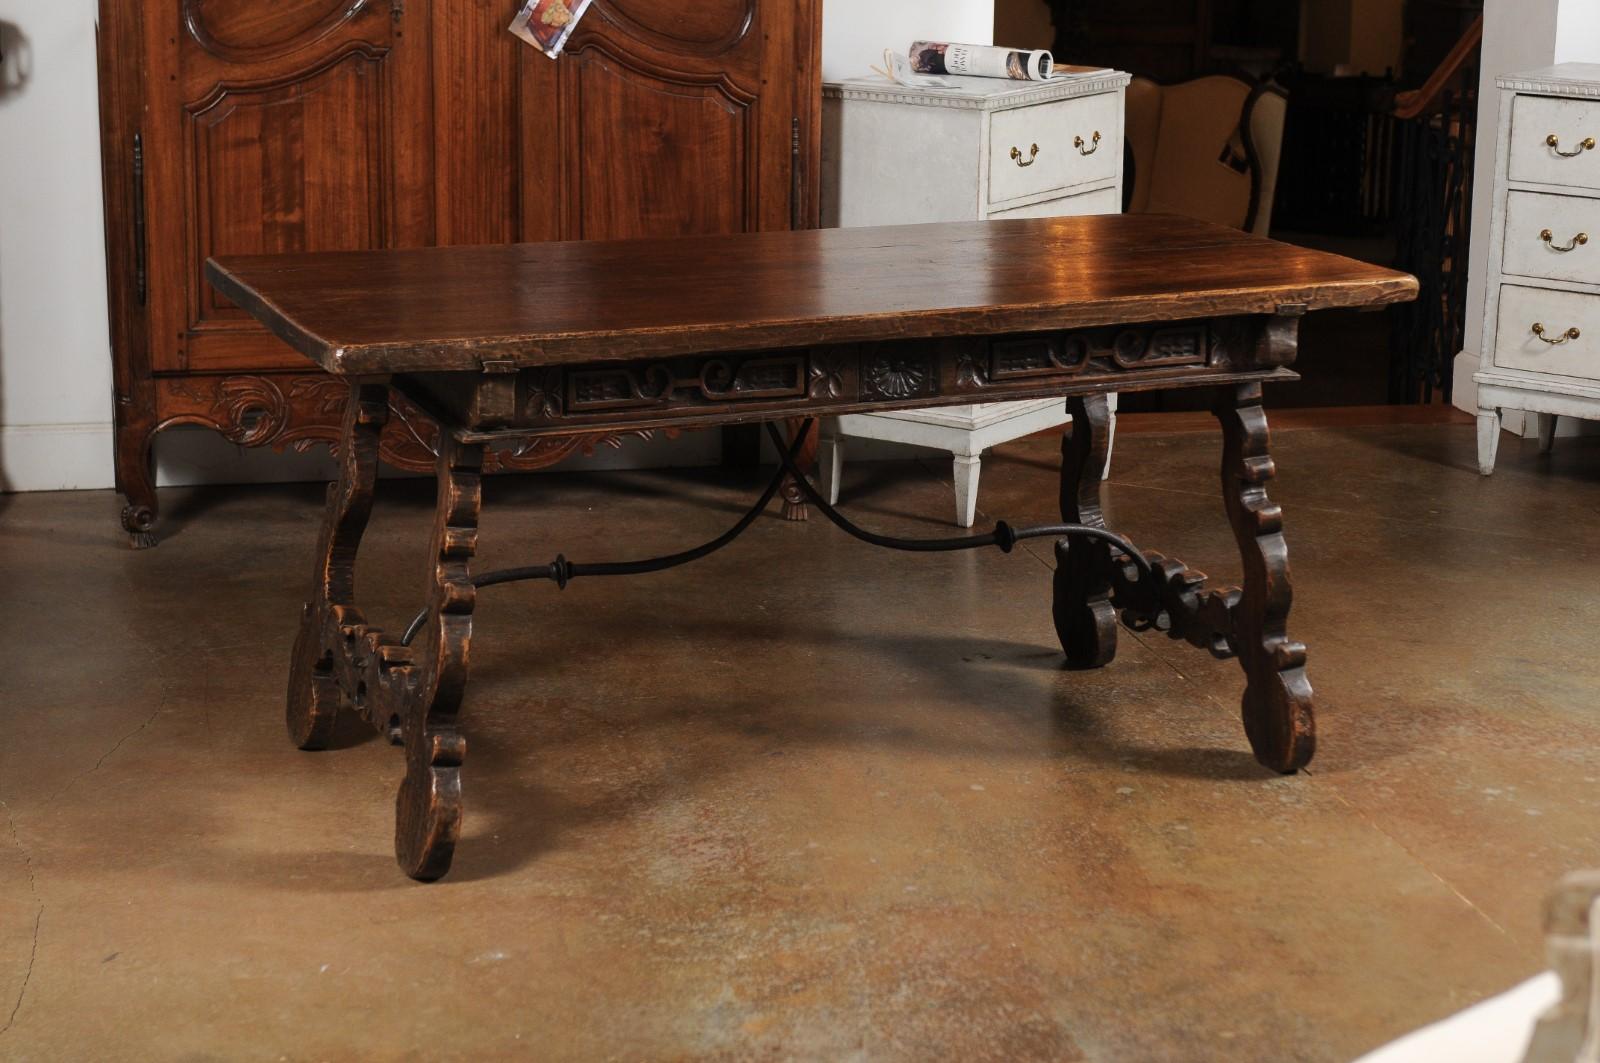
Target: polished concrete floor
(805,799)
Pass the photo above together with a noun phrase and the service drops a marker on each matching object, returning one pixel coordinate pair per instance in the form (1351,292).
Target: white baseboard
(78,457)
(55,457)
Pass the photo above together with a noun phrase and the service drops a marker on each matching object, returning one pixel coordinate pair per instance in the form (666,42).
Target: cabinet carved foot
(136,481)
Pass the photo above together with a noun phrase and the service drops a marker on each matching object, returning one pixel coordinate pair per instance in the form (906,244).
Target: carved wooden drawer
(1051,146)
(896,375)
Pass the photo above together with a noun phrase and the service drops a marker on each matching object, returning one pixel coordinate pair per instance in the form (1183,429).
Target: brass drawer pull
(1577,241)
(1077,142)
(1570,334)
(1554,142)
(1033,156)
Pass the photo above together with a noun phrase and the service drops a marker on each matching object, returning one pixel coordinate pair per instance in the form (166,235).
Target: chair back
(1207,148)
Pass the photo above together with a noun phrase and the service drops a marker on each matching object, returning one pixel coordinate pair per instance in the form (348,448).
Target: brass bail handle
(1033,156)
(1577,241)
(1554,143)
(1077,142)
(1570,334)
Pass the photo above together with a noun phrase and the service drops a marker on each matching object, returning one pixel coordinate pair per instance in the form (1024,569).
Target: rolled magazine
(976,60)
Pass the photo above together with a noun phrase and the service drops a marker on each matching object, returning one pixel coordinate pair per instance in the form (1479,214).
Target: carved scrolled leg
(313,701)
(1277,698)
(1085,621)
(136,480)
(428,809)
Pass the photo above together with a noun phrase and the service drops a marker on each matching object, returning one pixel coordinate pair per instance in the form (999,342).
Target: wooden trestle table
(501,344)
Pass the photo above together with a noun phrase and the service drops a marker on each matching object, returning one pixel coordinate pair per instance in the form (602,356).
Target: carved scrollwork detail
(210,36)
(716,378)
(704,30)
(252,410)
(301,413)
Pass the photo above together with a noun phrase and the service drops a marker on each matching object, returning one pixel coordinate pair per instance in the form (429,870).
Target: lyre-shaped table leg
(1086,623)
(1277,698)
(428,807)
(313,701)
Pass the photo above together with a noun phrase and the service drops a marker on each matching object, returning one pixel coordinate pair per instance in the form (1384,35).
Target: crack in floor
(161,705)
(38,917)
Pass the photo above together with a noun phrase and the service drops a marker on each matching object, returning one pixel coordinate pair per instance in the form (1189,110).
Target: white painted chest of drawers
(1541,331)
(985,149)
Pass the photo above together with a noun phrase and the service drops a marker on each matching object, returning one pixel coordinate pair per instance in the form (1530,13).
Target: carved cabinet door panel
(667,118)
(283,126)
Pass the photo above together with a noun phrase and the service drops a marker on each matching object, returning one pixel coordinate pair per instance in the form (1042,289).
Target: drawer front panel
(1016,170)
(1100,201)
(1572,122)
(1518,347)
(1571,222)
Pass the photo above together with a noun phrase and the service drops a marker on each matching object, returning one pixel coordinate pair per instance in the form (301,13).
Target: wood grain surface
(452,309)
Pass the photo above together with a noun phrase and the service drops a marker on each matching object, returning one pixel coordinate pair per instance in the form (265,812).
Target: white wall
(55,368)
(1578,32)
(1517,35)
(55,362)
(855,32)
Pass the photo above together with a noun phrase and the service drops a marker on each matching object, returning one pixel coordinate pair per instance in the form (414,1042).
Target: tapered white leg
(1111,439)
(966,477)
(1547,432)
(830,457)
(1488,439)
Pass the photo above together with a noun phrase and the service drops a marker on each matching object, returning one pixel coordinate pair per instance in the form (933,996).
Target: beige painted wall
(1351,36)
(1023,24)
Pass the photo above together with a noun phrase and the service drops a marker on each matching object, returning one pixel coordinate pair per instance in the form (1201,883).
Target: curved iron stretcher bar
(561,571)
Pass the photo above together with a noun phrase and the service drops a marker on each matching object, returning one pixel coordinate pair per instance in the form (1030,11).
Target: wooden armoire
(234,126)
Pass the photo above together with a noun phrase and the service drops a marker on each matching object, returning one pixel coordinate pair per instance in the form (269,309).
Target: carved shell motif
(897,378)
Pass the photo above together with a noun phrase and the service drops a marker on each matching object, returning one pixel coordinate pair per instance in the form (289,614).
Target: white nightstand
(987,148)
(1541,322)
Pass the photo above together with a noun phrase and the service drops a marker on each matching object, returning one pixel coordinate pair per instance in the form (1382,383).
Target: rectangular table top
(453,309)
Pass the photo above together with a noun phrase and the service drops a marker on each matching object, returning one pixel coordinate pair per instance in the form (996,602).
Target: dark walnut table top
(452,309)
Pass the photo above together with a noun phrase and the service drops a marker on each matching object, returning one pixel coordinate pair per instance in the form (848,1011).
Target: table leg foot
(313,702)
(1086,622)
(427,814)
(312,705)
(428,810)
(1277,708)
